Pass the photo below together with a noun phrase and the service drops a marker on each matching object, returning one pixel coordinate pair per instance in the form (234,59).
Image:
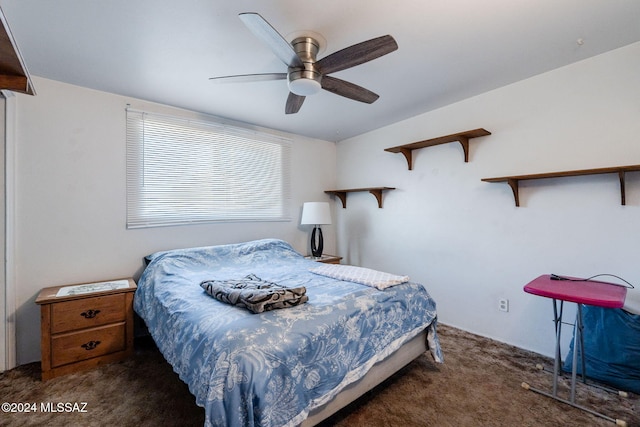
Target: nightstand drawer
(87,313)
(76,346)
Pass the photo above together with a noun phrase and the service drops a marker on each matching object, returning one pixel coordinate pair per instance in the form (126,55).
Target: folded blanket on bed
(255,294)
(364,276)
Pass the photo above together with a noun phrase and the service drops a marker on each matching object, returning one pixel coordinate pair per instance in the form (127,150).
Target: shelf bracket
(377,193)
(342,195)
(464,141)
(407,155)
(513,183)
(623,200)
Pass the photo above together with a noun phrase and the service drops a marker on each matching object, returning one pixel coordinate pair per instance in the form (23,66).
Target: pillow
(365,276)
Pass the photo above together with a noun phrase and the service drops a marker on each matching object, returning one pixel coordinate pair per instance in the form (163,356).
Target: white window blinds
(182,171)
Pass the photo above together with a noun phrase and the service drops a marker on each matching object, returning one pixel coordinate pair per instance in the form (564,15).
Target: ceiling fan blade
(265,32)
(294,102)
(357,54)
(245,78)
(348,90)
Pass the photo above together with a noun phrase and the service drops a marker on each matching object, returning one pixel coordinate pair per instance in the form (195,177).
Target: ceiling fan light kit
(305,74)
(304,83)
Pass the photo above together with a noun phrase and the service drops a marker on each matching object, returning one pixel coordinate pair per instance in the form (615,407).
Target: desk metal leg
(578,346)
(616,421)
(577,342)
(577,338)
(581,326)
(557,320)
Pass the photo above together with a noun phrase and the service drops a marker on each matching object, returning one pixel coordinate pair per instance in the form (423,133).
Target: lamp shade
(316,213)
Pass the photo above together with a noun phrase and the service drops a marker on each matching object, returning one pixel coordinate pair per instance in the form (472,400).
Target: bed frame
(378,373)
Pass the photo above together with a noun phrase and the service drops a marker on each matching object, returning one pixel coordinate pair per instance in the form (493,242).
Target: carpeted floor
(478,385)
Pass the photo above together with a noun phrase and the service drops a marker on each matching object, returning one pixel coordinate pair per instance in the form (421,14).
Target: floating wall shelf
(376,191)
(13,72)
(514,180)
(462,137)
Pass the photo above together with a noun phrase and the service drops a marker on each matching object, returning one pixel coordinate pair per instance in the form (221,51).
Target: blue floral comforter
(271,369)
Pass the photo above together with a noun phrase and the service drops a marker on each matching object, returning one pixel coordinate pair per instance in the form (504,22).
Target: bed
(283,367)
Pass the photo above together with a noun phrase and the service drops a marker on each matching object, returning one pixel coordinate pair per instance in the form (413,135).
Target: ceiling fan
(306,75)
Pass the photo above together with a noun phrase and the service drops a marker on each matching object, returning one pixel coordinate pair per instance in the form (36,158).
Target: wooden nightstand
(327,259)
(85,325)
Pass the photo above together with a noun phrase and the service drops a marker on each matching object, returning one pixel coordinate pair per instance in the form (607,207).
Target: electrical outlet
(503,304)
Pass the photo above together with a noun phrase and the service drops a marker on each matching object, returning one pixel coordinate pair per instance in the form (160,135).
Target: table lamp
(316,213)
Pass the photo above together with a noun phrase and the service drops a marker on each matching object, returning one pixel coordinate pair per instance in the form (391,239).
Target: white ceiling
(449,50)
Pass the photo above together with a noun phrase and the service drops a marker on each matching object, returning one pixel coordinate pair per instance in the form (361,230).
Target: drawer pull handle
(89,314)
(90,345)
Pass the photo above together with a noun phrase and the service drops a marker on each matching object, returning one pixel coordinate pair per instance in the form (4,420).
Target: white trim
(2,239)
(8,359)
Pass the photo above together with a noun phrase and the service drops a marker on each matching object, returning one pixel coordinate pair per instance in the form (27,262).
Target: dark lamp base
(316,250)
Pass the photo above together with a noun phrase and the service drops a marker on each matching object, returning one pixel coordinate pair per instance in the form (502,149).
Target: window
(182,171)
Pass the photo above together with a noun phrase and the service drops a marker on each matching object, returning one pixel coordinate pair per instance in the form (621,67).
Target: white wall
(465,239)
(71,199)
(461,237)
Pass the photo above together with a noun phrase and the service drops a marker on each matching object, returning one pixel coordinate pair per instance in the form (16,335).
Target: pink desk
(591,292)
(599,294)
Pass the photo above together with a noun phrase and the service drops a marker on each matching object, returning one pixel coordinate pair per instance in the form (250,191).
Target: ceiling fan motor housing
(305,81)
